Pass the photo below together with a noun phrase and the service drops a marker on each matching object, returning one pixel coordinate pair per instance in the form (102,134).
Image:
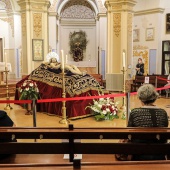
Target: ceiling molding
(149,11)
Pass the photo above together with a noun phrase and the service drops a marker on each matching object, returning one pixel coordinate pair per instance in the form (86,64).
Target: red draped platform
(52,91)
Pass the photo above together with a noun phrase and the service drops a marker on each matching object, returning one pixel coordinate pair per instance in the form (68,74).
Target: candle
(62,59)
(123,58)
(66,59)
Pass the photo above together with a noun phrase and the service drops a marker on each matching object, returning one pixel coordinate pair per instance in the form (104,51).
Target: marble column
(34,20)
(119,30)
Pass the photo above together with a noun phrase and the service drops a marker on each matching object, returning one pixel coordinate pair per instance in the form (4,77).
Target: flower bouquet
(29,90)
(105,109)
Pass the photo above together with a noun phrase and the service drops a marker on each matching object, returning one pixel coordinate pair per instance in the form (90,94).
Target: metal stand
(123,107)
(64,119)
(8,107)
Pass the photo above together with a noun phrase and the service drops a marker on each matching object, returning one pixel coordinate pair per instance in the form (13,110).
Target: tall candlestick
(5,60)
(62,59)
(124,58)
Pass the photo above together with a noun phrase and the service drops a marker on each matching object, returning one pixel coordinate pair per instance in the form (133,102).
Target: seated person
(5,121)
(53,64)
(148,115)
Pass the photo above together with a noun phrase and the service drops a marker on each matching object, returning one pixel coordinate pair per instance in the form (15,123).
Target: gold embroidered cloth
(74,84)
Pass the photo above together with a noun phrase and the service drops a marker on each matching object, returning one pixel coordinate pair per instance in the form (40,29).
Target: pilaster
(119,30)
(34,23)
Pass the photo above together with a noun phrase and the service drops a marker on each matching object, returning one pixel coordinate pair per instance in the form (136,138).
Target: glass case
(166,57)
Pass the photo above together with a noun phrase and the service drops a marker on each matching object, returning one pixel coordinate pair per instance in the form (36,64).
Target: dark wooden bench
(98,77)
(155,80)
(95,154)
(139,80)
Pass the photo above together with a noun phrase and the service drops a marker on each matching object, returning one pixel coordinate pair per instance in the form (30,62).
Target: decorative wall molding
(37,23)
(78,22)
(8,6)
(117,23)
(78,10)
(23,23)
(140,47)
(149,11)
(117,7)
(101,7)
(53,6)
(36,8)
(129,26)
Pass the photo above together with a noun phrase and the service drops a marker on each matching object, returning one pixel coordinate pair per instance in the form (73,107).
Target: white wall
(147,4)
(52,32)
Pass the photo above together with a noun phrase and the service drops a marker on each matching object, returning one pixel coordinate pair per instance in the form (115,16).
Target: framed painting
(136,35)
(149,34)
(37,50)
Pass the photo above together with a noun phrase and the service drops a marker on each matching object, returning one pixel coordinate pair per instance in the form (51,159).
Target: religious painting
(136,35)
(149,34)
(37,50)
(78,42)
(168,23)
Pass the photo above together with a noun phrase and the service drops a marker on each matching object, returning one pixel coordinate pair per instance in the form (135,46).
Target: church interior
(96,45)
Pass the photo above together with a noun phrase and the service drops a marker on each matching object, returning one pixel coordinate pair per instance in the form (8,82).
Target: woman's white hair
(147,93)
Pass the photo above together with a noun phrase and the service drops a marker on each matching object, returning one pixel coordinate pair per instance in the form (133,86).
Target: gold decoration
(37,20)
(129,23)
(139,47)
(23,21)
(117,23)
(7,107)
(144,55)
(37,8)
(117,6)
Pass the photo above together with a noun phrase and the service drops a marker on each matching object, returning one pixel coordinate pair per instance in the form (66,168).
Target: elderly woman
(148,115)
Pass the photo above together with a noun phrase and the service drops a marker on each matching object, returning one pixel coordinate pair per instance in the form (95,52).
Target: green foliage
(29,90)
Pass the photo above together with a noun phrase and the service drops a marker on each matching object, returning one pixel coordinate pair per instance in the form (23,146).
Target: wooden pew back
(72,147)
(98,77)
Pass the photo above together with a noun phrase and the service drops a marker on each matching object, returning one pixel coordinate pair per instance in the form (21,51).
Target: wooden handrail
(84,133)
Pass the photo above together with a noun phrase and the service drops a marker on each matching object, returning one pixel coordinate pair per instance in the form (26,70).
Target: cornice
(52,13)
(78,22)
(101,15)
(8,14)
(149,11)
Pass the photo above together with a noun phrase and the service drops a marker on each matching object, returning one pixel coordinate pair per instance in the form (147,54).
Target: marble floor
(18,115)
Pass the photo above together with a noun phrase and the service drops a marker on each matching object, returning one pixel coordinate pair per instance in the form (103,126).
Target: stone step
(11,89)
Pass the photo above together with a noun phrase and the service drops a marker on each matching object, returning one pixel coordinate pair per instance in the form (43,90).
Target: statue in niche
(77,53)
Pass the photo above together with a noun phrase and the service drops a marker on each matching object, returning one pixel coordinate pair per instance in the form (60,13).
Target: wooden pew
(139,80)
(104,150)
(98,77)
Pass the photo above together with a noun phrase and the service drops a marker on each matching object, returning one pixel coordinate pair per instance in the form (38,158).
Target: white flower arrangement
(29,90)
(105,109)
